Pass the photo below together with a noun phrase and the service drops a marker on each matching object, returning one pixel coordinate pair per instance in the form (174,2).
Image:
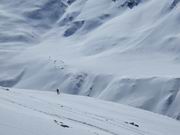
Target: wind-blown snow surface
(26,112)
(125,51)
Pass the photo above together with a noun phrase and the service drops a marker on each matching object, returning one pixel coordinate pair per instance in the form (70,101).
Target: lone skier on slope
(58,91)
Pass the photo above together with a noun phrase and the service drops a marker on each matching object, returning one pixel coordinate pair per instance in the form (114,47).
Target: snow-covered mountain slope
(26,112)
(125,51)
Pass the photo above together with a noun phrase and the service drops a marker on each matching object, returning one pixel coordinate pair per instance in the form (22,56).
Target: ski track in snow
(109,121)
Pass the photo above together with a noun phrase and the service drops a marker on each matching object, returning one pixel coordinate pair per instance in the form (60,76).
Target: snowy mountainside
(27,112)
(126,51)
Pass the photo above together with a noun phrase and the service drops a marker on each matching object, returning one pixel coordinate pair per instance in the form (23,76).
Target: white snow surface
(27,112)
(126,51)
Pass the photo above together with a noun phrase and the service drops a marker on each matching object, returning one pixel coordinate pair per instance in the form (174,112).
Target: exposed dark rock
(130,3)
(174,3)
(74,27)
(49,12)
(68,18)
(70,1)
(61,124)
(132,123)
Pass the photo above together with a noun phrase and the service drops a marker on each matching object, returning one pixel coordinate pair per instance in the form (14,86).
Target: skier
(58,91)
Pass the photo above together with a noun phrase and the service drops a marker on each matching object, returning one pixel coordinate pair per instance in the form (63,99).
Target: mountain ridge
(112,50)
